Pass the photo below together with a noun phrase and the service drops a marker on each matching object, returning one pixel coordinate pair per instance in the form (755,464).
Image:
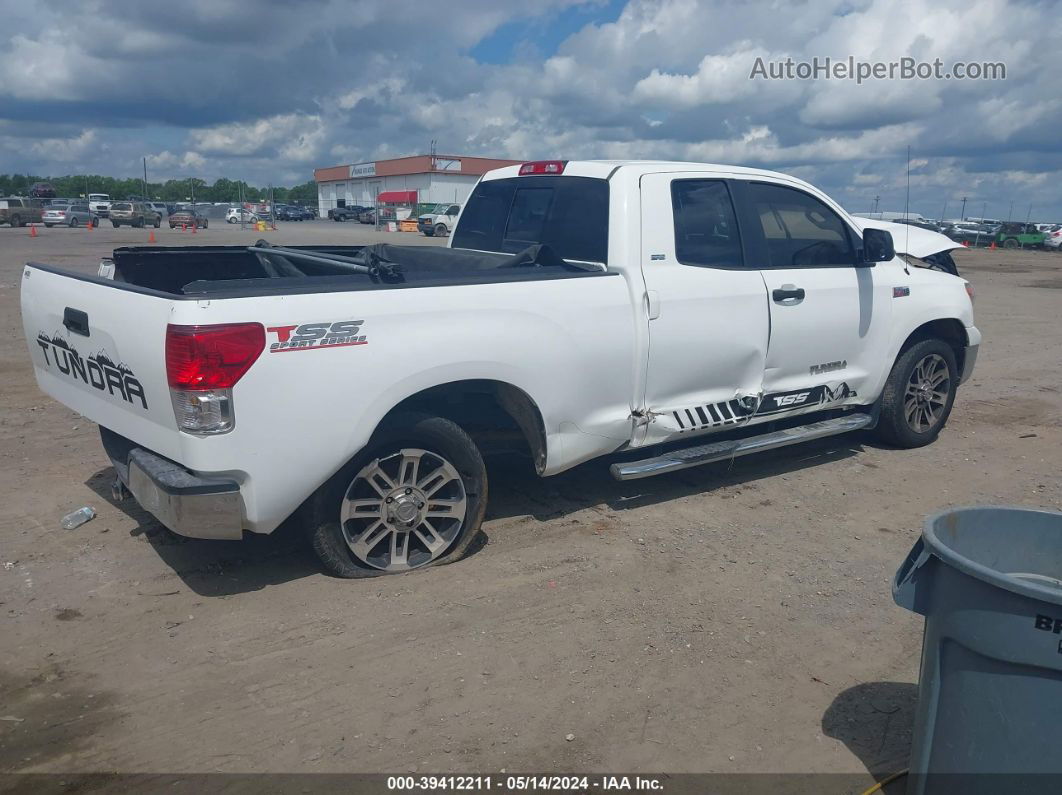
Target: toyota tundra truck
(655,315)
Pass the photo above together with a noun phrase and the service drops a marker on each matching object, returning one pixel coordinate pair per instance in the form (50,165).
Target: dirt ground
(732,618)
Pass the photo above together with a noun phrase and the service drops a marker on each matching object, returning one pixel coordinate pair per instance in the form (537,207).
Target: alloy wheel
(404,510)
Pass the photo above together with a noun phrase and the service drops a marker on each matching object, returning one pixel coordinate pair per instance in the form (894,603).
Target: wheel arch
(950,330)
(489,410)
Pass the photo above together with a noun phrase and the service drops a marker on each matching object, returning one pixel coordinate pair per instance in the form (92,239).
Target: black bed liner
(231,271)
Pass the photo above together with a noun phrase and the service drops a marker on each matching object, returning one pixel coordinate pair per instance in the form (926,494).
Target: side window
(801,231)
(454,210)
(706,231)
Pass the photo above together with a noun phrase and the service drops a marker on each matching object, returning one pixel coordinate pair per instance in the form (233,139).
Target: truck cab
(100,204)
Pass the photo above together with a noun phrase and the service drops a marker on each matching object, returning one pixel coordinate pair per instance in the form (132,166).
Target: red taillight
(543,167)
(211,357)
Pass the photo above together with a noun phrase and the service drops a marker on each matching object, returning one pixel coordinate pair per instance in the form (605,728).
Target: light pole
(962,213)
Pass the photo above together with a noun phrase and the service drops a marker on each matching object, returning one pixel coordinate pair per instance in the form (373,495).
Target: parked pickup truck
(663,315)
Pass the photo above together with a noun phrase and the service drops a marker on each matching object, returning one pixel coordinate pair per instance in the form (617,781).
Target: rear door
(829,317)
(706,305)
(99,348)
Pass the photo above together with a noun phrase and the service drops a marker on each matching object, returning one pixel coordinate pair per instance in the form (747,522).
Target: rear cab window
(569,214)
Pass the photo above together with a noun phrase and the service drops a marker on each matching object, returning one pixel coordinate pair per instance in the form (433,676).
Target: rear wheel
(15,221)
(158,221)
(73,222)
(415,497)
(115,224)
(1010,242)
(919,394)
(49,226)
(205,224)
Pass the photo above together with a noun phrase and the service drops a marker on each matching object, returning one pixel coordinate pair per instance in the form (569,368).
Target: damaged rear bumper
(186,503)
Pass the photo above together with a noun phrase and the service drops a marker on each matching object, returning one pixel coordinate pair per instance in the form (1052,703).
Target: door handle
(76,321)
(788,292)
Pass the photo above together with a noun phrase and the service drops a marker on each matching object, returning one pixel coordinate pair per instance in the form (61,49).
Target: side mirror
(877,246)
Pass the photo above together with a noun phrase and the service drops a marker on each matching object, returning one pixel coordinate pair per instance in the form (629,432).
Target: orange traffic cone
(993,246)
(89,225)
(966,243)
(184,227)
(151,236)
(33,231)
(195,228)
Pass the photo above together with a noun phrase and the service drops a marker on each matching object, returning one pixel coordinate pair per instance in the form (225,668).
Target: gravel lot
(731,618)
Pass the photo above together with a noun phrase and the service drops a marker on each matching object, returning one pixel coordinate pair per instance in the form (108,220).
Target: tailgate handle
(76,321)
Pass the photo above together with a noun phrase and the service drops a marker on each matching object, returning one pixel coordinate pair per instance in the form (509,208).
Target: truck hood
(911,240)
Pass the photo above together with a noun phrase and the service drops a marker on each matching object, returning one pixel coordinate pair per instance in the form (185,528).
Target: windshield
(98,197)
(122,206)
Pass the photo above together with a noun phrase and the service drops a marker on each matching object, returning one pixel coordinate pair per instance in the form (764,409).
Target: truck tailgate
(99,349)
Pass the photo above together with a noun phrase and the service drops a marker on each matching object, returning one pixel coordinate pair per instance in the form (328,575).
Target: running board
(721,451)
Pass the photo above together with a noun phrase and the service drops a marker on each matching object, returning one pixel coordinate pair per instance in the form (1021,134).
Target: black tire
(440,230)
(158,221)
(1010,242)
(894,427)
(73,222)
(15,221)
(436,435)
(49,226)
(115,224)
(205,224)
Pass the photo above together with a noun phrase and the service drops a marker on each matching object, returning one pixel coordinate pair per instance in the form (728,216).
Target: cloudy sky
(266,91)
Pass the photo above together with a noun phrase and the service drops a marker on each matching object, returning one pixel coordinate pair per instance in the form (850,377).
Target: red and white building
(402,181)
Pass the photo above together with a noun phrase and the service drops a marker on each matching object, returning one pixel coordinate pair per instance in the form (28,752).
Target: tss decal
(310,336)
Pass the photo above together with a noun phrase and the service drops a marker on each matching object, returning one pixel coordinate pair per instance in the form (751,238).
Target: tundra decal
(311,336)
(97,370)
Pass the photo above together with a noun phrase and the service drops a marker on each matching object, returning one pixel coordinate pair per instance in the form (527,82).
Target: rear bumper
(186,503)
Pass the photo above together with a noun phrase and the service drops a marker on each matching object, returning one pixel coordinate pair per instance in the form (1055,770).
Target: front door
(829,316)
(707,310)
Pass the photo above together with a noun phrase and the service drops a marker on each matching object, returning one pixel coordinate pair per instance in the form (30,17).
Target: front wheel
(15,221)
(73,222)
(205,223)
(919,394)
(158,222)
(115,224)
(49,226)
(415,497)
(1010,242)
(440,230)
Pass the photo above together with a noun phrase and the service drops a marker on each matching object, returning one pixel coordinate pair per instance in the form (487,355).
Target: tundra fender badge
(901,292)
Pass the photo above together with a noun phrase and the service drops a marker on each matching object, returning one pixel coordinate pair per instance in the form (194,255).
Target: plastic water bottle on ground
(78,518)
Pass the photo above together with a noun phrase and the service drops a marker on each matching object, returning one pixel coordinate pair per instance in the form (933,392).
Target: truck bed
(236,271)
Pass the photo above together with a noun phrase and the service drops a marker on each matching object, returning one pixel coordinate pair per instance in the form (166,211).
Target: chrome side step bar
(721,451)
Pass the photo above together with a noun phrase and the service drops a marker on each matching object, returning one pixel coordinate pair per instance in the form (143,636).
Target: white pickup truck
(661,314)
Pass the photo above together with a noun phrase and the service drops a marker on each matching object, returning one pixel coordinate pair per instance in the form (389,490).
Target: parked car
(440,221)
(1018,235)
(171,208)
(188,217)
(99,203)
(19,211)
(346,213)
(160,208)
(367,216)
(75,214)
(236,214)
(42,190)
(1053,239)
(555,277)
(973,234)
(135,214)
